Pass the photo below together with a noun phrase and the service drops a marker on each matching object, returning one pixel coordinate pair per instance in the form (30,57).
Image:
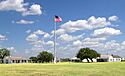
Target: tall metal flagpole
(55,42)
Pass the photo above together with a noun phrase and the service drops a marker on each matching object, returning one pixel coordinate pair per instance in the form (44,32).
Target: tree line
(44,56)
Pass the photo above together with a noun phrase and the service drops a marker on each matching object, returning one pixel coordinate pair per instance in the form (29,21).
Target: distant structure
(11,60)
(75,59)
(102,58)
(109,58)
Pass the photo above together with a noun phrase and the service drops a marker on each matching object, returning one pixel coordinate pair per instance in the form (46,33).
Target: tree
(87,53)
(45,57)
(4,53)
(34,59)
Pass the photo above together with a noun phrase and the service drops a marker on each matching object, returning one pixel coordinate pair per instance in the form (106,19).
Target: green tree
(34,59)
(4,53)
(45,57)
(87,53)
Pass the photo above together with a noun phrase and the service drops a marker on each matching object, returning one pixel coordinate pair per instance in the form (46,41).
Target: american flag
(57,19)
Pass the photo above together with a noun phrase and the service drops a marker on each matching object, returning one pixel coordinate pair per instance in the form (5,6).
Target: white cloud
(91,23)
(2,37)
(123,43)
(11,49)
(77,43)
(36,39)
(59,31)
(93,42)
(38,43)
(25,22)
(28,31)
(50,43)
(106,47)
(32,37)
(46,35)
(20,6)
(113,45)
(35,9)
(94,39)
(90,43)
(71,43)
(106,32)
(113,18)
(66,37)
(17,5)
(39,32)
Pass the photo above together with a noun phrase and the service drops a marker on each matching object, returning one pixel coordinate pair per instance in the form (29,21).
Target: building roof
(107,56)
(75,58)
(16,58)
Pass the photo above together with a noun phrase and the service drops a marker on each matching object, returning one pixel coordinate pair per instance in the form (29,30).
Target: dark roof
(116,56)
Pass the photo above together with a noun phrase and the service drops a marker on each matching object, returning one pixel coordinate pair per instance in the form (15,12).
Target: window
(110,59)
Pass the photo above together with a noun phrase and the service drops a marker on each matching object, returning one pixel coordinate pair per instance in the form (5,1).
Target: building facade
(10,60)
(109,58)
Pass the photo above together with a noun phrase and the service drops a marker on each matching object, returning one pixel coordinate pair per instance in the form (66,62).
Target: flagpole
(55,42)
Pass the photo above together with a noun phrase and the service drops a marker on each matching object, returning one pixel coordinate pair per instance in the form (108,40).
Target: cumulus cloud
(123,43)
(38,43)
(112,45)
(39,32)
(2,37)
(46,35)
(32,37)
(38,37)
(20,6)
(94,39)
(91,23)
(59,31)
(50,43)
(25,22)
(71,42)
(77,43)
(35,9)
(17,5)
(11,48)
(106,32)
(28,31)
(66,37)
(113,18)
(93,42)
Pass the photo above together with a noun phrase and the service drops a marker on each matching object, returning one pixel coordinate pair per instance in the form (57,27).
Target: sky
(26,26)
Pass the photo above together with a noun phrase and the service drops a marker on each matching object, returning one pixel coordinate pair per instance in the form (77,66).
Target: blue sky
(26,26)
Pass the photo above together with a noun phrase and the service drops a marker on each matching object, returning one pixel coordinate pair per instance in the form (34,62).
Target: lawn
(64,69)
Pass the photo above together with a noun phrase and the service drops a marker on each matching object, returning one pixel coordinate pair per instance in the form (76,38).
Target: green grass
(64,69)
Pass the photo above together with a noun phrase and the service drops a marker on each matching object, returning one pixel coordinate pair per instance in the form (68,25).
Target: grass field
(64,69)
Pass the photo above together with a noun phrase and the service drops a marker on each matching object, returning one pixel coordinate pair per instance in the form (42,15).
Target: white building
(85,60)
(10,60)
(109,58)
(75,59)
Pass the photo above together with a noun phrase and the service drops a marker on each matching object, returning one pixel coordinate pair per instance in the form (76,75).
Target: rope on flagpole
(55,42)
